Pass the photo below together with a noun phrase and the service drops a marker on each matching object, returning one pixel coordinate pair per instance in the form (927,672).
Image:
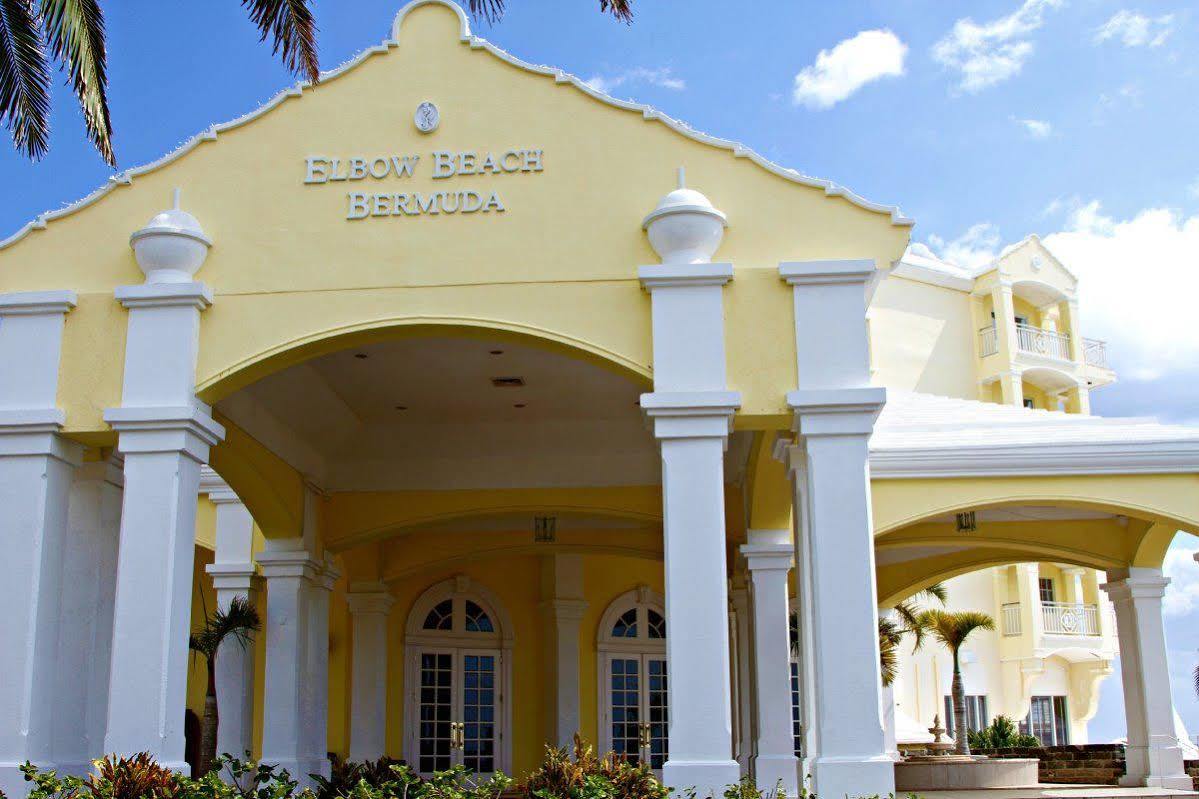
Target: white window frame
(418,640)
(642,598)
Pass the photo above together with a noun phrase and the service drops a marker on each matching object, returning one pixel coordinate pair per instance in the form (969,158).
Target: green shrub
(586,776)
(1001,734)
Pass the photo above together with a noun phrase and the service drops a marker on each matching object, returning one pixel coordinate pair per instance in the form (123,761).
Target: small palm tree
(238,623)
(71,33)
(952,629)
(910,622)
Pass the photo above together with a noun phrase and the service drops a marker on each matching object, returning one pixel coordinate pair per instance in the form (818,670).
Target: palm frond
(952,628)
(621,9)
(890,635)
(75,34)
(1197,679)
(292,29)
(24,78)
(936,591)
(239,621)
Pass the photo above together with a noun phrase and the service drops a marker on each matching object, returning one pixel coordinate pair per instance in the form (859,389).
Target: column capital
(564,609)
(189,430)
(818,273)
(1139,583)
(836,412)
(288,563)
(366,599)
(35,432)
(658,276)
(37,303)
(691,414)
(165,295)
(232,576)
(769,550)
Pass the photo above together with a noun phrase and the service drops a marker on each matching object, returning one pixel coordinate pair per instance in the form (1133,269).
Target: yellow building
(521,457)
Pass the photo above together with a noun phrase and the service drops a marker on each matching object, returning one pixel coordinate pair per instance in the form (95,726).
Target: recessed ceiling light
(519,405)
(401,407)
(362,356)
(507,382)
(497,352)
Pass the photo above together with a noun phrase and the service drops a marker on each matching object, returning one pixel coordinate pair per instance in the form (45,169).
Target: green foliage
(345,776)
(1002,734)
(582,775)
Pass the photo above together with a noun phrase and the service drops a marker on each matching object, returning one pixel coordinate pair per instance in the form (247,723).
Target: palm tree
(238,623)
(908,622)
(71,33)
(952,629)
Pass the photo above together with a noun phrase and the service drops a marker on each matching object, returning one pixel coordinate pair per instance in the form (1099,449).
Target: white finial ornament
(172,246)
(685,228)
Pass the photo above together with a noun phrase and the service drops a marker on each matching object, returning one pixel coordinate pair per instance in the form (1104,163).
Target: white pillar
(36,467)
(692,414)
(370,604)
(835,409)
(287,570)
(1153,756)
(233,576)
(743,748)
(318,669)
(770,555)
(85,635)
(165,436)
(890,736)
(563,607)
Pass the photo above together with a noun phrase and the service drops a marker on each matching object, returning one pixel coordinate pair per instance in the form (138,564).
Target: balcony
(1057,618)
(1095,353)
(1038,341)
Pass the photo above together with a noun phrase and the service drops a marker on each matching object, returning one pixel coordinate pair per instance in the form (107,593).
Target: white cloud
(1182,594)
(1035,128)
(854,62)
(1193,189)
(974,249)
(991,52)
(1134,29)
(662,77)
(1137,277)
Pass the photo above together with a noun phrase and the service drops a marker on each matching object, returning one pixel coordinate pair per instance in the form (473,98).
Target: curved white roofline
(125,177)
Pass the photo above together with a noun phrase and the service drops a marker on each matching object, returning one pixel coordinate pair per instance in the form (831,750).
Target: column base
(1179,782)
(839,778)
(779,772)
(709,778)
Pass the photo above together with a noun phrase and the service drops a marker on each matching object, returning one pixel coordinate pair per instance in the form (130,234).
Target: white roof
(923,435)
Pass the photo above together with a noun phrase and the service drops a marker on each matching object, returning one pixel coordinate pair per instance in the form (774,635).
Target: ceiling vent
(507,382)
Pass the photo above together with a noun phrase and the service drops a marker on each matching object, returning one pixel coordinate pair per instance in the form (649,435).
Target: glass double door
(637,708)
(458,710)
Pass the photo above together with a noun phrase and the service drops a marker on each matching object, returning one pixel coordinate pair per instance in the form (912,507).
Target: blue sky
(985,121)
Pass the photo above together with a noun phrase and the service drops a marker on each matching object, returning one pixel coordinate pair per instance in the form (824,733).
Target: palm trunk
(209,725)
(960,736)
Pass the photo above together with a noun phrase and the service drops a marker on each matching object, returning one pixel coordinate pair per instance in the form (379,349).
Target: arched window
(632,680)
(457,676)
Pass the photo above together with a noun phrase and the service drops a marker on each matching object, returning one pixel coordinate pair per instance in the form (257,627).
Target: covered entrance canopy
(406,315)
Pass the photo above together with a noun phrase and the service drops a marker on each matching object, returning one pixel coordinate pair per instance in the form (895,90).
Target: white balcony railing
(1011,618)
(1043,342)
(1070,618)
(988,341)
(1095,352)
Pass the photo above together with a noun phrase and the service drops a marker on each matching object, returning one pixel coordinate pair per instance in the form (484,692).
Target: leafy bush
(1002,734)
(345,776)
(586,776)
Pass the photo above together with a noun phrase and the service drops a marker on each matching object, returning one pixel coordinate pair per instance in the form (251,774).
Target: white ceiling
(336,419)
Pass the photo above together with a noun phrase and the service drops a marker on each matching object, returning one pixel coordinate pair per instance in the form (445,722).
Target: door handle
(457,735)
(644,735)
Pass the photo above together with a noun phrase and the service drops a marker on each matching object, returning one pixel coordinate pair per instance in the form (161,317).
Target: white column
(233,576)
(85,635)
(743,748)
(770,554)
(1153,756)
(1072,577)
(692,414)
(317,693)
(835,409)
(36,467)
(890,736)
(370,604)
(165,436)
(563,607)
(287,570)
